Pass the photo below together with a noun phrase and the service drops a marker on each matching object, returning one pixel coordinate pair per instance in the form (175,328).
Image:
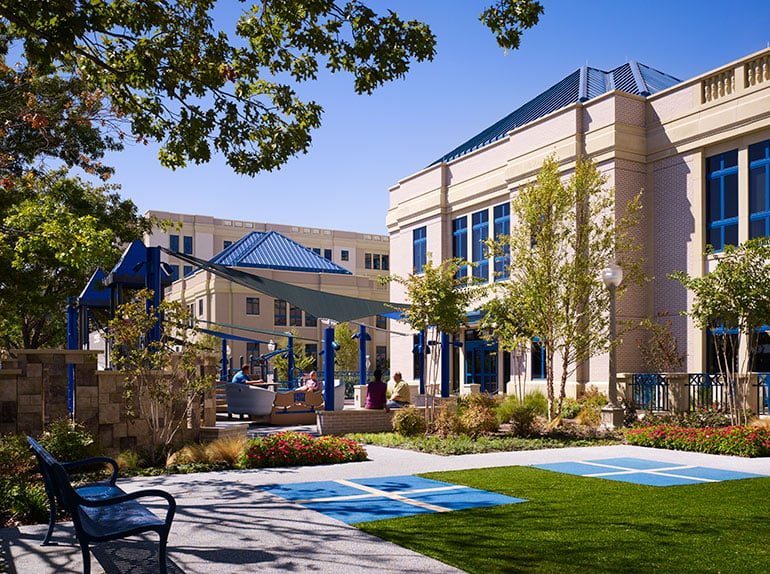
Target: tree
(162,378)
(733,302)
(565,234)
(439,299)
(54,231)
(171,69)
(346,357)
(302,361)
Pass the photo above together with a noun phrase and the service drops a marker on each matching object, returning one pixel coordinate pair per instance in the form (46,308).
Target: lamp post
(612,414)
(270,349)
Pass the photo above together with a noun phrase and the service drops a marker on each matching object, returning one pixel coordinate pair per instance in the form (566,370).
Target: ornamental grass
(300,449)
(730,440)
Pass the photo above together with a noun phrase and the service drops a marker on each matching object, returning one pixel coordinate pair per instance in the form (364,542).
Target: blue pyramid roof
(131,270)
(580,86)
(271,250)
(95,293)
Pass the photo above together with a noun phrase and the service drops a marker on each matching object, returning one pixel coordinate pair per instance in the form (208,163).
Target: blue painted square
(634,463)
(346,503)
(578,468)
(652,479)
(714,473)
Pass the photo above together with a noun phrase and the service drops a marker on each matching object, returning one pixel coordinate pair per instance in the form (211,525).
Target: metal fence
(763,393)
(649,391)
(705,390)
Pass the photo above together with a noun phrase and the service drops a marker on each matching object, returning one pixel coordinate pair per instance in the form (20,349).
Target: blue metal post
(72,343)
(152,281)
(444,364)
(362,336)
(290,360)
(224,375)
(421,350)
(329,369)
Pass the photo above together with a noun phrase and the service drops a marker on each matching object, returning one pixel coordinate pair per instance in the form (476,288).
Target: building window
(759,190)
(381,322)
(328,254)
(173,243)
(381,357)
(310,320)
(367,260)
(317,250)
(502,225)
(187,270)
(252,305)
(188,245)
(174,272)
(200,307)
(295,316)
(460,242)
(722,200)
(537,361)
(386,262)
(279,313)
(419,249)
(480,221)
(376,260)
(252,350)
(345,255)
(226,244)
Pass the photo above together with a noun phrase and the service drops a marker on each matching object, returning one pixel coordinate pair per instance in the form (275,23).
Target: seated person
(311,384)
(375,393)
(243,376)
(401,396)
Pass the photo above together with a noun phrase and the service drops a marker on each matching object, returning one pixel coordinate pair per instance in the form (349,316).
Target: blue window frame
(537,360)
(252,305)
(173,243)
(722,200)
(187,270)
(480,233)
(502,225)
(419,249)
(759,190)
(174,272)
(188,245)
(460,242)
(328,254)
(252,350)
(279,313)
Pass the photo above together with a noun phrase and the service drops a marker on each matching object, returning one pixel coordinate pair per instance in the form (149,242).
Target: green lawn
(575,524)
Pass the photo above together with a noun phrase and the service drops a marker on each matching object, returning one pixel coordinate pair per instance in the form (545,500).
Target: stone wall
(33,393)
(354,420)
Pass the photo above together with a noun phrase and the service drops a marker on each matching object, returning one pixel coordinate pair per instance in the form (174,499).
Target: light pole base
(612,417)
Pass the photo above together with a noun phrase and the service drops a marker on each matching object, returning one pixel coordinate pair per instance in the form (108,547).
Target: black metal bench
(101,511)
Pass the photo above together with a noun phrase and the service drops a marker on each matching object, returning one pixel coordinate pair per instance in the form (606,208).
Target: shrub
(68,441)
(522,420)
(570,408)
(299,449)
(592,398)
(589,416)
(735,440)
(188,454)
(537,402)
(479,399)
(704,417)
(478,419)
(409,421)
(229,449)
(447,423)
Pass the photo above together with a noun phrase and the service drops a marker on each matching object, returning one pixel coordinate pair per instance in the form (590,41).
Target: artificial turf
(576,524)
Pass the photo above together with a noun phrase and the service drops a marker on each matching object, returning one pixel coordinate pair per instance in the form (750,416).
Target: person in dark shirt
(375,392)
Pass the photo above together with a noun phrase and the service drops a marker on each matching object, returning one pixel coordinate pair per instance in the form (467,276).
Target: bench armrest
(95,460)
(147,493)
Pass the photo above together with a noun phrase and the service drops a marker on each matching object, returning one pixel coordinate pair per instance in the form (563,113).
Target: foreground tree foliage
(163,378)
(201,85)
(54,231)
(733,302)
(566,232)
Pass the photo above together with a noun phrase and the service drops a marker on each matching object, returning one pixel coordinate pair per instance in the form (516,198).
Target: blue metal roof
(271,250)
(580,86)
(131,270)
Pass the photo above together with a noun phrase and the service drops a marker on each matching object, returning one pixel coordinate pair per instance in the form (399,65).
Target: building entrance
(480,362)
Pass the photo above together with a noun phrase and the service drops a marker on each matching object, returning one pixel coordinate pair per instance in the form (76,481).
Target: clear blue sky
(368,143)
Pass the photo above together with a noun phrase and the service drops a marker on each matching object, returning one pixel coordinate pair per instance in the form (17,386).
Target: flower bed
(300,449)
(732,440)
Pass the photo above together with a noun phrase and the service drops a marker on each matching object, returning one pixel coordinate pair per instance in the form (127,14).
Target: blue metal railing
(763,393)
(705,390)
(649,391)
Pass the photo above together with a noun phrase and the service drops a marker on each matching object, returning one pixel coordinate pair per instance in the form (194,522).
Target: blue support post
(152,281)
(329,368)
(72,343)
(444,364)
(224,376)
(290,360)
(362,338)
(421,350)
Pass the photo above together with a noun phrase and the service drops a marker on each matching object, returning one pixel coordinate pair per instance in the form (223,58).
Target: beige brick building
(699,148)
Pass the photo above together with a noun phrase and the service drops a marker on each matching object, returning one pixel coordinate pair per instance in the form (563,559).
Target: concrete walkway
(226,524)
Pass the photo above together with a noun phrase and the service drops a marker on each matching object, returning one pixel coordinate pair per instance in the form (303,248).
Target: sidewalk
(226,524)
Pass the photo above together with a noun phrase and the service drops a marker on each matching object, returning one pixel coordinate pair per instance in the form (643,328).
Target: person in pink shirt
(375,392)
